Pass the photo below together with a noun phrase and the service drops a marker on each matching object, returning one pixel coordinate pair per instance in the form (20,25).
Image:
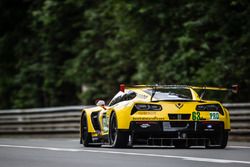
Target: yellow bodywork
(124,117)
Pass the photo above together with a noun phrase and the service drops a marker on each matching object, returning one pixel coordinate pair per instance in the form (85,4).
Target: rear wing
(233,88)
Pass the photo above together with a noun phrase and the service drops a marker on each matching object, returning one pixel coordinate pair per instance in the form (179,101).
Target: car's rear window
(170,94)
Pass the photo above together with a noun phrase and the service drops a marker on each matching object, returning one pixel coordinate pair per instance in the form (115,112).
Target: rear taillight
(210,107)
(146,107)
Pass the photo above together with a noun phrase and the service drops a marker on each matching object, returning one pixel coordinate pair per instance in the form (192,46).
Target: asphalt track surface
(60,152)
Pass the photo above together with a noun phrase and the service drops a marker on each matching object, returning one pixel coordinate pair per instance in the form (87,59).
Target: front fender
(88,112)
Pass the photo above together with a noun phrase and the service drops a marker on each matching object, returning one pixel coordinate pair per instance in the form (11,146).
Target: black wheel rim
(113,129)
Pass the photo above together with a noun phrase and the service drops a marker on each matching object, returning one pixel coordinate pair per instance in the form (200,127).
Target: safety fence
(240,121)
(64,121)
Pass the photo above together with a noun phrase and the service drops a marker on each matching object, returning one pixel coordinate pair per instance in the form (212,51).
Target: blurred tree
(74,51)
(13,20)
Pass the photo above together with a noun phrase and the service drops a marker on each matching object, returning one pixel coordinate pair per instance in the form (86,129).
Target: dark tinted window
(122,97)
(129,96)
(115,100)
(171,94)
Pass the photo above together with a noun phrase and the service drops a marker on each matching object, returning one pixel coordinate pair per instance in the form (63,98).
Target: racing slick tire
(222,139)
(86,137)
(117,138)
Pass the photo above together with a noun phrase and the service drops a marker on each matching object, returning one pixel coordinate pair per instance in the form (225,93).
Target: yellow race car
(165,115)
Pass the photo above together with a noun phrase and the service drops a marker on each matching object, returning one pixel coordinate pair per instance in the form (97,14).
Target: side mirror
(100,103)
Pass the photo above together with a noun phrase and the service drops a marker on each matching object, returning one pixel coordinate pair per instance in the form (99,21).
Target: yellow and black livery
(168,115)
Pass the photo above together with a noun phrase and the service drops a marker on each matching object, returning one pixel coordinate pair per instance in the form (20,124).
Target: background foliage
(67,52)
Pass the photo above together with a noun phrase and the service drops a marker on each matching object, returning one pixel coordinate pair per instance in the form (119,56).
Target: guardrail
(240,121)
(65,121)
(41,121)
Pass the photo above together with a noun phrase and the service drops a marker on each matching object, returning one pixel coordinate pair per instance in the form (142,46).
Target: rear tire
(117,138)
(222,139)
(86,137)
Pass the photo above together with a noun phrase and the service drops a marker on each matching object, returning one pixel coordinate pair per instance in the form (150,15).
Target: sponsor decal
(214,116)
(148,118)
(146,113)
(142,96)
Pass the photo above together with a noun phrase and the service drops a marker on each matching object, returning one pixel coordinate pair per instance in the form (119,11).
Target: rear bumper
(168,132)
(176,126)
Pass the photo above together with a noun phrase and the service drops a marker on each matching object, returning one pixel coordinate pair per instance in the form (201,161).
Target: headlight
(146,107)
(210,107)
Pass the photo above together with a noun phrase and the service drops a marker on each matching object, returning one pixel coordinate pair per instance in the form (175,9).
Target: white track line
(238,147)
(130,153)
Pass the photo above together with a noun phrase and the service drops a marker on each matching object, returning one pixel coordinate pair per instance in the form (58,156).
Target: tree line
(68,52)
